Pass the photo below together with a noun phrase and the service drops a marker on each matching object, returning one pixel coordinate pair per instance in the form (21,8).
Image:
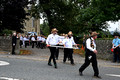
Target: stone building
(32,25)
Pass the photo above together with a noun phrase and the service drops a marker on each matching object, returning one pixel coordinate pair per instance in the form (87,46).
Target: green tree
(45,29)
(80,16)
(12,14)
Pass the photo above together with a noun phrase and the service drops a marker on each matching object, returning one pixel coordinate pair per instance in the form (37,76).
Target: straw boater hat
(94,34)
(54,30)
(70,33)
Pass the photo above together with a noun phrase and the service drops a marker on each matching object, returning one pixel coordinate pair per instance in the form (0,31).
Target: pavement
(34,67)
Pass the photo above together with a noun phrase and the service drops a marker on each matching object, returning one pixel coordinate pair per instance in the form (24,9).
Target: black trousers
(116,55)
(39,44)
(33,42)
(68,53)
(26,44)
(52,56)
(13,49)
(21,43)
(57,53)
(93,60)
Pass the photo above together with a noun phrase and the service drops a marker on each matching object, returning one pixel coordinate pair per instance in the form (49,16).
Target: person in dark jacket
(13,43)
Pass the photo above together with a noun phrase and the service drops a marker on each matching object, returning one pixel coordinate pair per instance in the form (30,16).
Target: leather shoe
(49,64)
(99,77)
(55,66)
(80,73)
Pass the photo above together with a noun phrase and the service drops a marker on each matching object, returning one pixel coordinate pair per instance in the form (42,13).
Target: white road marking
(114,75)
(8,78)
(3,63)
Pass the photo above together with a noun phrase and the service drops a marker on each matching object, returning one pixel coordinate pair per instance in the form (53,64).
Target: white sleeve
(73,42)
(88,45)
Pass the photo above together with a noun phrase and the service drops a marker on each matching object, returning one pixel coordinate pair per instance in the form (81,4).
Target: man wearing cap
(52,40)
(68,51)
(90,55)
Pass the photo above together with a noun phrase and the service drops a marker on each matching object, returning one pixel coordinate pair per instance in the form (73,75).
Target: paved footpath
(34,67)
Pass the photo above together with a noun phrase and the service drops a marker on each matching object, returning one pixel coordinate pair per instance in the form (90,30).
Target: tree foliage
(12,14)
(78,15)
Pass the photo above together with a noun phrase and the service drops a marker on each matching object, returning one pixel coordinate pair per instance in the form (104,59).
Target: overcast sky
(114,25)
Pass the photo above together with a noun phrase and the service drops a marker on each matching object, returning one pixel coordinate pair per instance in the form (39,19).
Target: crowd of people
(33,40)
(54,42)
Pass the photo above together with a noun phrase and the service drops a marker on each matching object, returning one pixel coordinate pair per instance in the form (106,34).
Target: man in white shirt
(33,41)
(90,55)
(68,50)
(39,39)
(52,40)
(26,41)
(21,41)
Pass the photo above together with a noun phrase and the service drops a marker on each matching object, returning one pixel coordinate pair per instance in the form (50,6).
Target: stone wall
(6,44)
(104,49)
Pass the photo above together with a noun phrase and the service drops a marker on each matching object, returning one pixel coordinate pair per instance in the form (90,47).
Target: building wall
(32,25)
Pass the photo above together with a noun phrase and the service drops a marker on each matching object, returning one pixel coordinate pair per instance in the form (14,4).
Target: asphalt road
(36,68)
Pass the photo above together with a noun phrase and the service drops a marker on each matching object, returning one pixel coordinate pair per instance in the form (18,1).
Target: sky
(112,25)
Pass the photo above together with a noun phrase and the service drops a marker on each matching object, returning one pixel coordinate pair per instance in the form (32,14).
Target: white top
(25,39)
(33,39)
(43,39)
(69,42)
(39,38)
(21,38)
(53,39)
(88,44)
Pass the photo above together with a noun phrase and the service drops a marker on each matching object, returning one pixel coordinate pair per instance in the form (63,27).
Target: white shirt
(43,39)
(33,39)
(53,39)
(39,38)
(88,44)
(21,38)
(68,42)
(25,39)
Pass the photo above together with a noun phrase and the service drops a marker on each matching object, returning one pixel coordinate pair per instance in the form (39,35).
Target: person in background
(21,41)
(33,40)
(52,40)
(42,42)
(90,55)
(14,39)
(26,41)
(39,39)
(116,48)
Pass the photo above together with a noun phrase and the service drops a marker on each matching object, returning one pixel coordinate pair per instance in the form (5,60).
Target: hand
(48,45)
(95,51)
(13,44)
(76,45)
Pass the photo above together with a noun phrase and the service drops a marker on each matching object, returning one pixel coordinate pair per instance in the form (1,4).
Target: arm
(47,41)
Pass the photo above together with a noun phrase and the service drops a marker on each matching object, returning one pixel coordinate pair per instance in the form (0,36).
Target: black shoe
(49,64)
(73,64)
(55,66)
(97,77)
(81,74)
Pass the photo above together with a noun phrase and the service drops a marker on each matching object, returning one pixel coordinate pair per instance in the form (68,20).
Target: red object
(112,50)
(82,47)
